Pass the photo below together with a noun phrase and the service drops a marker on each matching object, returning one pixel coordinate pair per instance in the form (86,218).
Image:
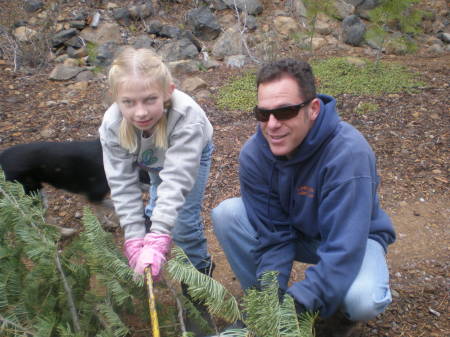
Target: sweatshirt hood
(323,127)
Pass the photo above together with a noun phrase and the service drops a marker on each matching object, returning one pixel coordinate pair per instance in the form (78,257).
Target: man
(309,193)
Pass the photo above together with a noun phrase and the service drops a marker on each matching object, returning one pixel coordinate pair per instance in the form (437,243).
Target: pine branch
(112,320)
(6,322)
(262,308)
(103,254)
(203,288)
(70,302)
(179,305)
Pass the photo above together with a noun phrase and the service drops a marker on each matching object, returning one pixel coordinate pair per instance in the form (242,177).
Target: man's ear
(314,109)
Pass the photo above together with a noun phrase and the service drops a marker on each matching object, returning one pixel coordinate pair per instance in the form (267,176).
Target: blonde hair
(145,64)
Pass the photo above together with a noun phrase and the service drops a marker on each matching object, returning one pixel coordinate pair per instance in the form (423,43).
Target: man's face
(284,136)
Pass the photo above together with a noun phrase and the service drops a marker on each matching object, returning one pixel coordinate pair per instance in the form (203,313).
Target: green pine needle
(203,288)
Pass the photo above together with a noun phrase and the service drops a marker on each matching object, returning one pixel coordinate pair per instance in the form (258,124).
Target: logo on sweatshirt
(307,191)
(148,158)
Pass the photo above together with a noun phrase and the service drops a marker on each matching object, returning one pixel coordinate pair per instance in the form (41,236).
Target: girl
(156,127)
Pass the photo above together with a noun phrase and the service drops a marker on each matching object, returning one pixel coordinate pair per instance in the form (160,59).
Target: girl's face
(140,104)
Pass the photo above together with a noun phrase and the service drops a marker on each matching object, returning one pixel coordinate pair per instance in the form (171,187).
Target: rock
(203,94)
(105,54)
(144,41)
(178,50)
(228,43)
(105,32)
(122,15)
(190,36)
(235,61)
(183,67)
(435,49)
(47,132)
(77,24)
(318,42)
(33,5)
(154,27)
(203,23)
(445,37)
(253,7)
(77,53)
(342,9)
(250,22)
(85,76)
(285,25)
(62,36)
(218,5)
(125,15)
(297,8)
(353,30)
(75,42)
(77,87)
(24,34)
(61,58)
(323,27)
(63,73)
(210,64)
(70,62)
(192,84)
(141,11)
(169,32)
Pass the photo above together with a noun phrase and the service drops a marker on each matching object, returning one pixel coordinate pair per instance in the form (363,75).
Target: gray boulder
(353,30)
(203,23)
(62,36)
(105,54)
(178,50)
(32,5)
(253,7)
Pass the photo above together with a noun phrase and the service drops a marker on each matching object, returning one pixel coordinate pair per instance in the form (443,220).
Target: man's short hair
(300,71)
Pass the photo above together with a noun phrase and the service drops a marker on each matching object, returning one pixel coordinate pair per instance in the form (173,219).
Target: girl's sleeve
(178,175)
(123,178)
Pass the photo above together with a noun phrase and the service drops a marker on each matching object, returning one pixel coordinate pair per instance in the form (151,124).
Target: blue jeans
(368,296)
(188,231)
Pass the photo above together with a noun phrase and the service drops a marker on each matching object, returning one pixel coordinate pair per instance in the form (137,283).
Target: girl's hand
(153,253)
(132,249)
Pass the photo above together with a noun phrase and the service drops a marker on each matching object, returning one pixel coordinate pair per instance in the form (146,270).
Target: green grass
(335,76)
(365,107)
(239,93)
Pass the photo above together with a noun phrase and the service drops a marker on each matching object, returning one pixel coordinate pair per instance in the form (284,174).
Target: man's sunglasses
(281,114)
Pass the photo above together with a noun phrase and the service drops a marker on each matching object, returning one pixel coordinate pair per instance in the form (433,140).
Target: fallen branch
(73,311)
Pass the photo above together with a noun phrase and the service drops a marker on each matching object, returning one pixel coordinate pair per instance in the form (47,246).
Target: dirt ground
(409,132)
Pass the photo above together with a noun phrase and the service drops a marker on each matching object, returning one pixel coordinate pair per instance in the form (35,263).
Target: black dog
(75,166)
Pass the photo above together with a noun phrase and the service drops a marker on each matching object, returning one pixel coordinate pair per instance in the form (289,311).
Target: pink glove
(132,248)
(156,246)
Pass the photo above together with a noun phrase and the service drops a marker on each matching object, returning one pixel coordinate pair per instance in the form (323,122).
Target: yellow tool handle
(151,302)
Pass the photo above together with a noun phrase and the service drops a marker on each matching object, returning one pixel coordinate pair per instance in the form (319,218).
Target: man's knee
(224,215)
(365,302)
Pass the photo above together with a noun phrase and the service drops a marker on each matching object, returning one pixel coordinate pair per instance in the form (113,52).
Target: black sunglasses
(281,114)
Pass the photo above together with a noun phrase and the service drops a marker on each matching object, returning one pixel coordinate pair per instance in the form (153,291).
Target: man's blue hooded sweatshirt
(326,191)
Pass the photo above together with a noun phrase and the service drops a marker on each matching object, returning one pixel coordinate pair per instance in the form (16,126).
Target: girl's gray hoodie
(188,132)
